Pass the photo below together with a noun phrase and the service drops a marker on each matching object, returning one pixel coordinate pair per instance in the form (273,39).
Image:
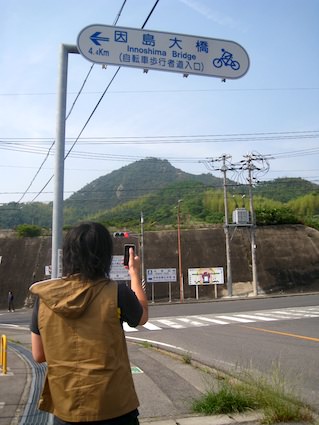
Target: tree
(28,230)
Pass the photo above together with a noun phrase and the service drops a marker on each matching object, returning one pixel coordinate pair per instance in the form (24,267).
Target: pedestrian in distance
(77,329)
(10,301)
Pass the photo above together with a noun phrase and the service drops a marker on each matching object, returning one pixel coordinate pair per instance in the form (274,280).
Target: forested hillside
(131,182)
(154,187)
(285,189)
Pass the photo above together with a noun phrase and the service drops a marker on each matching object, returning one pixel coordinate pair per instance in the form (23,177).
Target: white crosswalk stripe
(151,327)
(259,317)
(208,319)
(170,323)
(236,319)
(183,322)
(192,322)
(128,328)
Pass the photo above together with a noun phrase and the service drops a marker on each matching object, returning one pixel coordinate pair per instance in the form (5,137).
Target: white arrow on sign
(163,51)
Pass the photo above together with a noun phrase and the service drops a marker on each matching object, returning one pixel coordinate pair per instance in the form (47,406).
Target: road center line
(309,338)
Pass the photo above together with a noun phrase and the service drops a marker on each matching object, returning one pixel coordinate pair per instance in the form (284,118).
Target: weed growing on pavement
(246,393)
(226,400)
(187,358)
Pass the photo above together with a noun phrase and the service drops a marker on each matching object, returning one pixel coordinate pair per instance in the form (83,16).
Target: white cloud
(210,14)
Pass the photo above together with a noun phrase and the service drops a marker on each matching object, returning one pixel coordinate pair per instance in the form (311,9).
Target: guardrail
(3,354)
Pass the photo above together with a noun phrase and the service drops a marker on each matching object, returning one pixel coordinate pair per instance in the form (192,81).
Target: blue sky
(272,110)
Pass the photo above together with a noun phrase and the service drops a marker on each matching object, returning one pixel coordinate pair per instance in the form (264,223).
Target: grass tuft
(248,394)
(187,358)
(226,400)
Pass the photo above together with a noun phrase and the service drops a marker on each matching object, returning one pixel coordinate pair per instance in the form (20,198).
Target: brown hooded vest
(89,376)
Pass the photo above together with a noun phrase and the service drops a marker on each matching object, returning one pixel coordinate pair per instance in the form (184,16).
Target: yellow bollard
(3,354)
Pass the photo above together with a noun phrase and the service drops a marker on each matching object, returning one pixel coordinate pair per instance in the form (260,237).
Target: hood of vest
(68,297)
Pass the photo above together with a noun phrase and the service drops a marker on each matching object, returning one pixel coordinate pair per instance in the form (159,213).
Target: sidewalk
(18,388)
(16,385)
(14,389)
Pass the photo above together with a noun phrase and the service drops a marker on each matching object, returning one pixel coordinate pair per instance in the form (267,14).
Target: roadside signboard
(206,276)
(163,51)
(160,275)
(118,271)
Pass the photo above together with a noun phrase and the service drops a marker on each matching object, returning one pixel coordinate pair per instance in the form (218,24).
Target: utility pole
(224,169)
(251,167)
(181,284)
(246,164)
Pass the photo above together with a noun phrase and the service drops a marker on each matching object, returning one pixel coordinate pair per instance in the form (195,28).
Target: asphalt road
(276,335)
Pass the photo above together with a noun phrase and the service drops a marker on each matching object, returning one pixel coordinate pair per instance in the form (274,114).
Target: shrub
(283,215)
(28,230)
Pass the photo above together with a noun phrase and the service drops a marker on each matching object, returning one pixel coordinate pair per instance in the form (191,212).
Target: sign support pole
(57,214)
(180,270)
(111,41)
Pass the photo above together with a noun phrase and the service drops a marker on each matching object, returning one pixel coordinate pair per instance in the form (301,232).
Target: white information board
(160,275)
(206,276)
(118,271)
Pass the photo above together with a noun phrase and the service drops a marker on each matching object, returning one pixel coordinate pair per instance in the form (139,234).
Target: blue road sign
(163,51)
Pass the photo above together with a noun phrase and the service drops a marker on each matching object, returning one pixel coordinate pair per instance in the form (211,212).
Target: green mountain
(154,187)
(160,208)
(131,182)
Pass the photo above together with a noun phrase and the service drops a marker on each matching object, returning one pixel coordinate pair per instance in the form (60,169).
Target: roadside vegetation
(28,230)
(246,393)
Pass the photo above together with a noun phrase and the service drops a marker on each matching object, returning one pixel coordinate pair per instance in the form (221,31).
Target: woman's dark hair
(88,250)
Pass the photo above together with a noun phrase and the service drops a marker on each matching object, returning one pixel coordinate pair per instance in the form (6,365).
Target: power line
(230,136)
(103,94)
(117,157)
(107,87)
(256,89)
(36,174)
(70,111)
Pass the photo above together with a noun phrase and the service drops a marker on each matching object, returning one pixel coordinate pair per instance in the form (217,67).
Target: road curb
(249,419)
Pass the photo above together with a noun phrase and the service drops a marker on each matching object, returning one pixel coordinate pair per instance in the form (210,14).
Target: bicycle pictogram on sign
(227,60)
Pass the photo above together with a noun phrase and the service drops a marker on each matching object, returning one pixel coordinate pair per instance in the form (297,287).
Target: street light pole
(181,285)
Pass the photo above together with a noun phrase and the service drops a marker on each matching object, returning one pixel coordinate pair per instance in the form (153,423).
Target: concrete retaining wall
(287,260)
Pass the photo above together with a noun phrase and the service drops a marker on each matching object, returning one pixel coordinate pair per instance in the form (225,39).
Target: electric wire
(106,89)
(20,145)
(101,98)
(254,89)
(92,66)
(67,116)
(36,174)
(171,139)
